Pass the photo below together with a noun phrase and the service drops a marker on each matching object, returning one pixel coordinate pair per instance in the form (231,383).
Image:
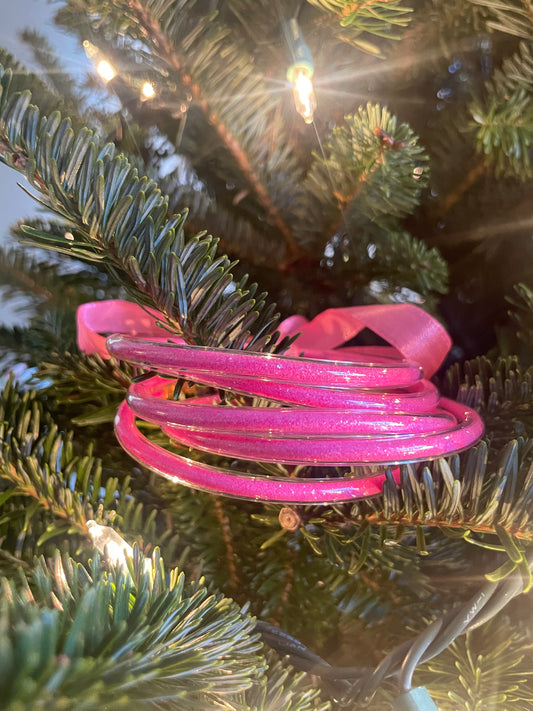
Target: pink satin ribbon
(333,407)
(113,316)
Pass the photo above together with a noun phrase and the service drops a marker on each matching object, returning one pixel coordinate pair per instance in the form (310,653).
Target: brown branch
(344,200)
(30,284)
(288,583)
(464,186)
(227,538)
(152,29)
(461,525)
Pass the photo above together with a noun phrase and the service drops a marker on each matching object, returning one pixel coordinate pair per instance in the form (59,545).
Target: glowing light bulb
(106,70)
(304,95)
(300,73)
(109,543)
(148,90)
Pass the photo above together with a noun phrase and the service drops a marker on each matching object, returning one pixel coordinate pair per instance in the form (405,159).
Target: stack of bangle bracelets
(320,405)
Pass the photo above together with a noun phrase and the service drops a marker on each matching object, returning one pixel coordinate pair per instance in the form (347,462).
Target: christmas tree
(245,161)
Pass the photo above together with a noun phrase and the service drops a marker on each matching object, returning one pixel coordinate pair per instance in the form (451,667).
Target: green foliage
(501,389)
(516,72)
(512,17)
(372,167)
(504,132)
(141,636)
(259,190)
(86,389)
(522,313)
(456,18)
(389,259)
(50,489)
(121,220)
(277,694)
(503,119)
(183,47)
(461,497)
(359,20)
(490,670)
(52,295)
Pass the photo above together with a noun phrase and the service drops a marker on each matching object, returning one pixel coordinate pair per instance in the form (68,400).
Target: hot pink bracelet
(333,407)
(392,385)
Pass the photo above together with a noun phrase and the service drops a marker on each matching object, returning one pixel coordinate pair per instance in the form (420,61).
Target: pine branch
(234,211)
(476,495)
(50,284)
(386,259)
(420,504)
(121,221)
(53,484)
(494,387)
(55,294)
(504,119)
(21,273)
(504,132)
(455,19)
(285,690)
(38,463)
(511,17)
(505,116)
(370,151)
(49,332)
(118,637)
(490,669)
(457,496)
(516,71)
(359,20)
(522,313)
(165,27)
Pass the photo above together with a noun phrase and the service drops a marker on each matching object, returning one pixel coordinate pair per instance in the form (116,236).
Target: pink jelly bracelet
(185,361)
(149,400)
(352,406)
(248,486)
(227,482)
(334,450)
(318,383)
(301,381)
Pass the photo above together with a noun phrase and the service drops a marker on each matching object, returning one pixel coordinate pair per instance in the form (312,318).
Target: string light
(106,70)
(301,71)
(147,90)
(304,96)
(107,541)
